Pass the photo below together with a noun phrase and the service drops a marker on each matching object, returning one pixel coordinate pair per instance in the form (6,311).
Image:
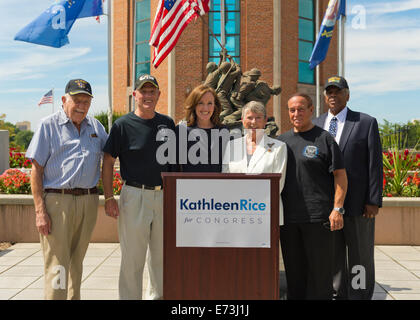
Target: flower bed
(16,181)
(401,174)
(17,159)
(116,184)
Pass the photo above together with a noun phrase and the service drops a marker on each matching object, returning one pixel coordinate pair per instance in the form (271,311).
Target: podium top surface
(212,175)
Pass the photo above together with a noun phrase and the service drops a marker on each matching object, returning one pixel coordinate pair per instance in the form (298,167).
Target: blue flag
(336,9)
(53,25)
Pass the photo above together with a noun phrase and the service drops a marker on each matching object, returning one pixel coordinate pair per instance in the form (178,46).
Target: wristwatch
(340,210)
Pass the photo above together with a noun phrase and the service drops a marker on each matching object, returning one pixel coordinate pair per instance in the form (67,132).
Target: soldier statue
(234,89)
(231,72)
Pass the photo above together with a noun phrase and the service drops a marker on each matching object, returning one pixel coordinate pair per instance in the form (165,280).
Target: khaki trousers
(140,227)
(73,219)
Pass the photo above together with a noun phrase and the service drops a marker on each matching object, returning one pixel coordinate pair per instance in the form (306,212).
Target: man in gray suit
(358,138)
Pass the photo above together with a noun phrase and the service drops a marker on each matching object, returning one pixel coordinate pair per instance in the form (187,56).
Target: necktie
(333,127)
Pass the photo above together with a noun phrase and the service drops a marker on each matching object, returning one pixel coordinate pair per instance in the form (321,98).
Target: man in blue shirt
(66,152)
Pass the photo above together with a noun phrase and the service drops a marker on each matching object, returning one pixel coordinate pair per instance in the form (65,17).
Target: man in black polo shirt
(133,139)
(313,198)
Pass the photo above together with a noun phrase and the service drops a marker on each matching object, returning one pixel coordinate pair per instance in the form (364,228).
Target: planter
(17,221)
(398,221)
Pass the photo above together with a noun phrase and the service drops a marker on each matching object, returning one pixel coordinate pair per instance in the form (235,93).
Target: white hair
(254,106)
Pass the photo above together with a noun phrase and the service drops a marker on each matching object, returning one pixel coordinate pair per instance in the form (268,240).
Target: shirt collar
(63,118)
(341,116)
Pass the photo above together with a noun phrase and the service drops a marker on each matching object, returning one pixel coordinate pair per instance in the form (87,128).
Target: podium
(244,267)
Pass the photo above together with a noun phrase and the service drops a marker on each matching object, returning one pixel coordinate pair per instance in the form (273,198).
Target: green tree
(23,138)
(404,135)
(103,118)
(4,125)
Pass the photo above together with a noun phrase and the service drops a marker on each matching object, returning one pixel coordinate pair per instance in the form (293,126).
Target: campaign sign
(223,213)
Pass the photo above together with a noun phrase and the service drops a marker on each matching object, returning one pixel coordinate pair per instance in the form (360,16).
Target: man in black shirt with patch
(313,198)
(134,139)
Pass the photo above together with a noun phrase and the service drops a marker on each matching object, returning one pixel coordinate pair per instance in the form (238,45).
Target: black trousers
(307,250)
(354,264)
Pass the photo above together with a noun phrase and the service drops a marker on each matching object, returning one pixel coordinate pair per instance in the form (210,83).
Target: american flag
(172,16)
(46,98)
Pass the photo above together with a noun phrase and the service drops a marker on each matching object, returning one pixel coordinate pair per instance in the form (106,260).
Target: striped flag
(336,9)
(46,98)
(172,16)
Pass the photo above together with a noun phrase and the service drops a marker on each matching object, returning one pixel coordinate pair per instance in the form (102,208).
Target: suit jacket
(362,151)
(270,156)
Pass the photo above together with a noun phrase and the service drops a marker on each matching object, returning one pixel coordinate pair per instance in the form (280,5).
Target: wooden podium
(219,273)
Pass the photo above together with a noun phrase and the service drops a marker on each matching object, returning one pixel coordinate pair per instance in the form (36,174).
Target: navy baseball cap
(336,81)
(77,86)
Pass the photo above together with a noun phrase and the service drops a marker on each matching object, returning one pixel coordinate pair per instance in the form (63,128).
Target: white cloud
(22,90)
(384,57)
(33,62)
(378,44)
(384,78)
(385,7)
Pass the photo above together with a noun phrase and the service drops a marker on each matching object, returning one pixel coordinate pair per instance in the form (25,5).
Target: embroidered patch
(310,151)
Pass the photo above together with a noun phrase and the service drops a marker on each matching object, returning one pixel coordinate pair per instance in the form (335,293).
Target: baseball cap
(76,86)
(336,81)
(144,78)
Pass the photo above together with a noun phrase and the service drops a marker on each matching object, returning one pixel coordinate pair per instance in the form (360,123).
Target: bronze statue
(262,92)
(213,75)
(234,89)
(231,72)
(240,91)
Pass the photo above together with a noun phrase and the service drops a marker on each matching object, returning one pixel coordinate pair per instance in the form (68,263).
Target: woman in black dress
(201,137)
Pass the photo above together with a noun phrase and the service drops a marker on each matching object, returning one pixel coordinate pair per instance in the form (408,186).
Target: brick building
(275,36)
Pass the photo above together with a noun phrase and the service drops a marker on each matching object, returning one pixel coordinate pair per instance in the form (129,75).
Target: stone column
(4,150)
(277,61)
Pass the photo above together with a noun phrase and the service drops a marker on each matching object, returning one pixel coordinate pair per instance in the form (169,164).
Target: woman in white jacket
(256,152)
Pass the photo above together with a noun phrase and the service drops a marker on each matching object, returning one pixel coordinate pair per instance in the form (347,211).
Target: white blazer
(270,156)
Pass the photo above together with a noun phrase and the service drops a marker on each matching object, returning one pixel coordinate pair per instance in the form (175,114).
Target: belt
(142,186)
(75,191)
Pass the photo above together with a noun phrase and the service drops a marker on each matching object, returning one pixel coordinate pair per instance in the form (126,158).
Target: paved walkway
(21,272)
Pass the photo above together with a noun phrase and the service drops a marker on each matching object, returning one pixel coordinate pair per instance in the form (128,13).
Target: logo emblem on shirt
(163,133)
(310,151)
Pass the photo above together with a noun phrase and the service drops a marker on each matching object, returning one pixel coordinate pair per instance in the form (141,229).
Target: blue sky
(382,60)
(28,71)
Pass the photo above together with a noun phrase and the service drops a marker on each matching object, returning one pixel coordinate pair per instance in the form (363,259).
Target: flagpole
(341,25)
(109,64)
(211,32)
(133,105)
(318,89)
(222,23)
(52,100)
